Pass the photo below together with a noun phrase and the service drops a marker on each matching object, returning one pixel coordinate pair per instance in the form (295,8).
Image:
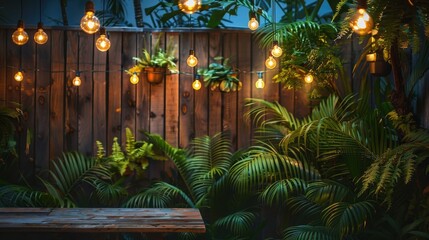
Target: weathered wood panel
(57,97)
(73,118)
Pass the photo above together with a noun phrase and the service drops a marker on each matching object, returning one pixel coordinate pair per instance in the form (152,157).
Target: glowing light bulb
(189,6)
(253,24)
(20,37)
(76,80)
(277,50)
(361,22)
(192,61)
(19,76)
(196,85)
(134,79)
(260,82)
(270,63)
(89,22)
(308,78)
(40,37)
(102,43)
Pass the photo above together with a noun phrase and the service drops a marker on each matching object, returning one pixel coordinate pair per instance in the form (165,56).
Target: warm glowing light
(260,82)
(277,50)
(308,78)
(361,22)
(189,6)
(192,61)
(196,85)
(19,76)
(89,23)
(20,37)
(270,63)
(40,37)
(253,24)
(76,80)
(102,43)
(134,79)
(371,57)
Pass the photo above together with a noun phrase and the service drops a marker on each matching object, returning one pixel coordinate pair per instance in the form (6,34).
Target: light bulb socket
(77,74)
(89,7)
(20,24)
(252,15)
(275,43)
(40,25)
(197,77)
(260,75)
(362,4)
(102,31)
(191,52)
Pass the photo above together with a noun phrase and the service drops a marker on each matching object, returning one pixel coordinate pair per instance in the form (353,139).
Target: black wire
(21,9)
(104,10)
(78,51)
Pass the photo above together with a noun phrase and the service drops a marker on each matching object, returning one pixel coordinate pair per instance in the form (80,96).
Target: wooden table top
(101,220)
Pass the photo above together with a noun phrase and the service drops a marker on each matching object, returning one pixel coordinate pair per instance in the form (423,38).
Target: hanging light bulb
(134,79)
(89,23)
(40,37)
(19,76)
(260,82)
(189,6)
(76,80)
(103,43)
(20,37)
(361,22)
(196,85)
(277,50)
(308,78)
(192,61)
(270,63)
(253,24)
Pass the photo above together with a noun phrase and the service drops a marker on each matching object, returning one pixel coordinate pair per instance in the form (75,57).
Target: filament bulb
(134,79)
(253,24)
(189,6)
(19,76)
(192,61)
(362,22)
(271,63)
(277,50)
(89,22)
(102,43)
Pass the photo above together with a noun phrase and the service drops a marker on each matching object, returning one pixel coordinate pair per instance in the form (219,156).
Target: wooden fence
(60,117)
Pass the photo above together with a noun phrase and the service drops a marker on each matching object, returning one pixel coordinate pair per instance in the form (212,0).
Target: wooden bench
(101,220)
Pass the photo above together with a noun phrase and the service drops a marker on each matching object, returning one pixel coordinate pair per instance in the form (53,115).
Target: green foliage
(9,117)
(135,158)
(220,75)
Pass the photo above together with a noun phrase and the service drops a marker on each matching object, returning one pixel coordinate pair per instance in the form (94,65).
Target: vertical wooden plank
(85,132)
(128,89)
(302,101)
(114,89)
(271,90)
(201,104)
(143,88)
(3,62)
(27,125)
(186,94)
(245,65)
(215,97)
(258,64)
(100,98)
(157,93)
(172,99)
(71,107)
(57,101)
(229,108)
(43,83)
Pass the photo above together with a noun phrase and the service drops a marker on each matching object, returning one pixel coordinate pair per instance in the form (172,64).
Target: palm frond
(305,232)
(237,224)
(280,191)
(327,192)
(12,195)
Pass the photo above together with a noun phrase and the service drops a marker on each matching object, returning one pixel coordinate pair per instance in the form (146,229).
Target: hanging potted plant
(155,66)
(220,76)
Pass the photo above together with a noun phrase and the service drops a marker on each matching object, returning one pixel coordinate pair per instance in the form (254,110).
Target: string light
(277,50)
(196,85)
(102,43)
(253,24)
(192,61)
(361,22)
(134,79)
(40,37)
(76,80)
(19,76)
(308,78)
(260,82)
(189,6)
(270,63)
(89,22)
(20,37)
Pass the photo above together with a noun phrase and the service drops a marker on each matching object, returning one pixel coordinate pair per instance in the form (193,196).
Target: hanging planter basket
(155,75)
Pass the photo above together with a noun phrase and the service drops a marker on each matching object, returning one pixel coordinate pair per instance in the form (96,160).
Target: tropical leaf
(237,224)
(306,232)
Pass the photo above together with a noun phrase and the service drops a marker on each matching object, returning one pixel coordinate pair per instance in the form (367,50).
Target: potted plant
(220,76)
(155,66)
